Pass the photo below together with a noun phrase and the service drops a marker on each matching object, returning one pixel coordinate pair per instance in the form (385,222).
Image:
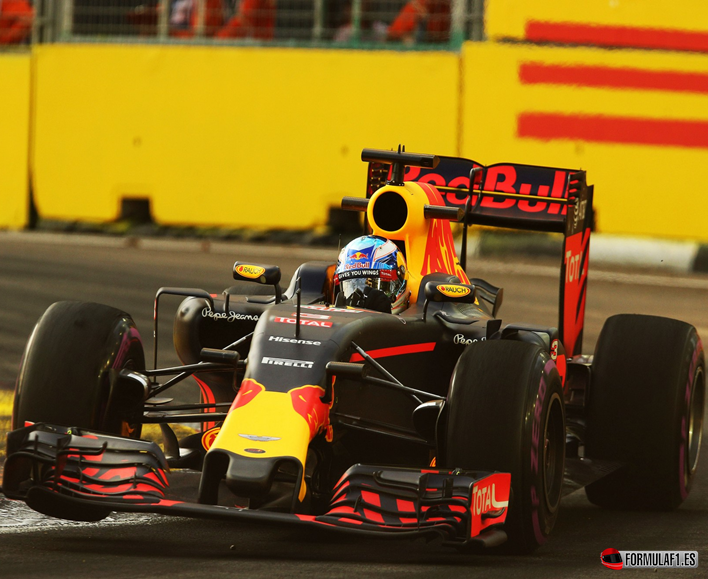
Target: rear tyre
(64,376)
(646,410)
(505,413)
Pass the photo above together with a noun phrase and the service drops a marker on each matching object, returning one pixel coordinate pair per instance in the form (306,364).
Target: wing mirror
(448,292)
(262,274)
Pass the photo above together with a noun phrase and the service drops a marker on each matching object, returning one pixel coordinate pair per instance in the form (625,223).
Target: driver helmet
(373,263)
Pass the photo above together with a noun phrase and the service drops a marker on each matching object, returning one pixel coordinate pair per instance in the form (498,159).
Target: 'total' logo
(304,322)
(611,558)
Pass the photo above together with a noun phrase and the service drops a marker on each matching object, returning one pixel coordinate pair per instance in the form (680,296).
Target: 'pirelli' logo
(287,362)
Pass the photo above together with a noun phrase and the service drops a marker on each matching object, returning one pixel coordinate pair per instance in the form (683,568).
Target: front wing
(75,474)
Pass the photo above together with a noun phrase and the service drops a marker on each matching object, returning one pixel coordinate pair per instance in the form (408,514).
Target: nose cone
(266,428)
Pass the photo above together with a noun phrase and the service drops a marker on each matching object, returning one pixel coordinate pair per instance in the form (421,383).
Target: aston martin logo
(257,438)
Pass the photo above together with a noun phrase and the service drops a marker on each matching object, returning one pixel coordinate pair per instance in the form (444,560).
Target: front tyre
(645,410)
(505,413)
(65,369)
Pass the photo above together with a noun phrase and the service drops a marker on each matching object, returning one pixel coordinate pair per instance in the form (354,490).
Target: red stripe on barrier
(607,129)
(609,77)
(617,36)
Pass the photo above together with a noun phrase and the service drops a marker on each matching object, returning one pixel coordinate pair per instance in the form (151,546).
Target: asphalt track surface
(36,271)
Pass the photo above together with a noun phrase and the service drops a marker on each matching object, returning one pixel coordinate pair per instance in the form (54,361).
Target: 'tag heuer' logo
(453,291)
(250,271)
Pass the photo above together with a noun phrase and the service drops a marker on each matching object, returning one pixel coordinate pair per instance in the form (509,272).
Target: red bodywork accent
(574,287)
(618,36)
(119,473)
(248,391)
(396,351)
(374,516)
(371,498)
(207,395)
(306,402)
(440,247)
(609,129)
(209,437)
(405,506)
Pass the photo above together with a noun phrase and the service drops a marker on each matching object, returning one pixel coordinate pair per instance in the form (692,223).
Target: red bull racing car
(381,393)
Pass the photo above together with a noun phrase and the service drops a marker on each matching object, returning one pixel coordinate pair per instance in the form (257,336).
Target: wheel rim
(553,453)
(695,421)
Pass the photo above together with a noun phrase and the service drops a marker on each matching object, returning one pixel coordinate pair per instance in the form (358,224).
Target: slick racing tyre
(64,376)
(645,411)
(505,413)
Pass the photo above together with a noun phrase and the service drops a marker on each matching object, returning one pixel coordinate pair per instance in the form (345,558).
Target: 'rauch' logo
(454,291)
(250,271)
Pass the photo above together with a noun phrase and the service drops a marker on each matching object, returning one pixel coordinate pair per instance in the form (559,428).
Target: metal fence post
(356,20)
(163,19)
(66,19)
(201,17)
(37,21)
(477,20)
(318,25)
(458,17)
(49,24)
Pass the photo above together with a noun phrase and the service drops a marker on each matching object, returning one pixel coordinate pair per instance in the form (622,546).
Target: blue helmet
(376,263)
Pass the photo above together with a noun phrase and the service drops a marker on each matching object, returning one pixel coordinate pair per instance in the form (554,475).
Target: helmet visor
(390,288)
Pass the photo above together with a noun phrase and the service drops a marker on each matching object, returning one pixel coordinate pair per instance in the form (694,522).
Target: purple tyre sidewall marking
(683,488)
(538,413)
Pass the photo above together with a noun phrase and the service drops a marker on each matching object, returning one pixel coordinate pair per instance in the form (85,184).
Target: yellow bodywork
(429,243)
(285,423)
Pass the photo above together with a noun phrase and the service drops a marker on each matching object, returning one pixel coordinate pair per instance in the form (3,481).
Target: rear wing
(517,196)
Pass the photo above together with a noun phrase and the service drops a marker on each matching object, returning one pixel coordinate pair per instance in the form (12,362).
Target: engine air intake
(390,211)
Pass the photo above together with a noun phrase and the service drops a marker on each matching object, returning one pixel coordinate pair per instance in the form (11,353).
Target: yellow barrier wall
(272,137)
(516,18)
(228,136)
(14,137)
(637,121)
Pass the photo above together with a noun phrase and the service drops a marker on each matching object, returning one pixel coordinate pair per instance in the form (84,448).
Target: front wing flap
(80,475)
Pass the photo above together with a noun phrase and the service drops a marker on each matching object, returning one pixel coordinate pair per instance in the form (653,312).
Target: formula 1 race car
(326,404)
